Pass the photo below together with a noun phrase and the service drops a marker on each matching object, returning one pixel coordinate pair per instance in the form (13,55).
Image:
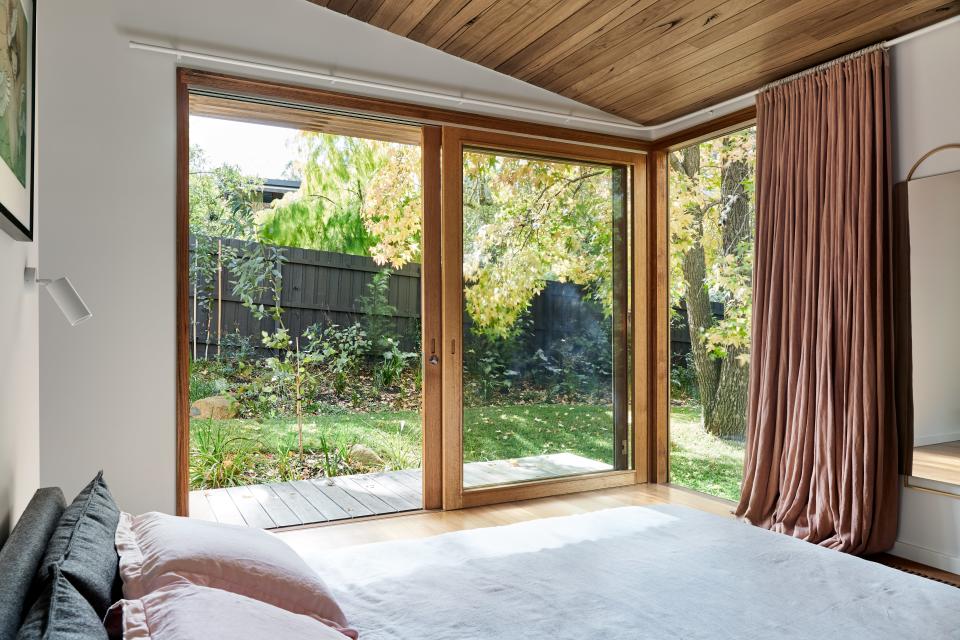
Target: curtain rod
(490,104)
(383,86)
(826,65)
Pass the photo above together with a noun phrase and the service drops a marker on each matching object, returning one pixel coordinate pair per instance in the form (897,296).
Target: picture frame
(17,111)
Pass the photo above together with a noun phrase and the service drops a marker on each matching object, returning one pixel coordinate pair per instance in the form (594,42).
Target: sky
(259,150)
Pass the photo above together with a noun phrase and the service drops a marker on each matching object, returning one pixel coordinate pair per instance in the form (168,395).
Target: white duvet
(634,572)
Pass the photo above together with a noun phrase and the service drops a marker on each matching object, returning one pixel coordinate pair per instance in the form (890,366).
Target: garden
(280,394)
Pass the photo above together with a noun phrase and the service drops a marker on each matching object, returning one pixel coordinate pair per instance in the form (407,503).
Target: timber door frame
(536,138)
(455,496)
(658,264)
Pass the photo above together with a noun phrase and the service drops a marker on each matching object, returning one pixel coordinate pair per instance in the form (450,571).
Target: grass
(698,460)
(701,461)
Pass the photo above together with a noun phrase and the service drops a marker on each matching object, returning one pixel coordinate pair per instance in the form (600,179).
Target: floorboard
(940,462)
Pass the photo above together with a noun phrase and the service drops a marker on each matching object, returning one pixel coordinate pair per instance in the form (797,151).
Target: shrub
(217,459)
(393,365)
(378,312)
(340,349)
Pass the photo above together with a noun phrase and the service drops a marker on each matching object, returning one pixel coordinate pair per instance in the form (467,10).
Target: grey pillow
(61,613)
(83,547)
(21,555)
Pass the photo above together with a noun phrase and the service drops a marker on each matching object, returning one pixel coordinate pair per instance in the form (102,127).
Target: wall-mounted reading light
(63,293)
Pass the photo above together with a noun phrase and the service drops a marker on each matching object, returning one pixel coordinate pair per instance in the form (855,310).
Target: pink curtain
(821,460)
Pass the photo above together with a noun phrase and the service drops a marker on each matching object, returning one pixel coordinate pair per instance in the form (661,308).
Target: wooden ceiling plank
(486,38)
(320,3)
(498,16)
(494,56)
(364,10)
(388,12)
(788,40)
(341,6)
(655,22)
(737,31)
(761,68)
(691,22)
(447,18)
(725,18)
(646,60)
(412,15)
(578,30)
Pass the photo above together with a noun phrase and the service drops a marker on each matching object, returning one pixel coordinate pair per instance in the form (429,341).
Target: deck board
(342,498)
(277,509)
(298,504)
(200,506)
(250,509)
(223,508)
(374,490)
(412,498)
(327,507)
(286,504)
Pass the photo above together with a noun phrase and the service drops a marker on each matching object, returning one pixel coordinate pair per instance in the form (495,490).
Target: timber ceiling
(647,60)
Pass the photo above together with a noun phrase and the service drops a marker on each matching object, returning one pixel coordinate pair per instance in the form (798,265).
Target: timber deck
(288,504)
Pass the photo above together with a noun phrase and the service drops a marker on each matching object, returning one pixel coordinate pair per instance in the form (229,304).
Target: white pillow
(156,550)
(183,611)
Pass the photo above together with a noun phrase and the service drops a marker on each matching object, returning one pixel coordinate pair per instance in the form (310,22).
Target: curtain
(821,456)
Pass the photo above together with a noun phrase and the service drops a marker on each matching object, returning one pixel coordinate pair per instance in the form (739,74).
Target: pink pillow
(157,549)
(183,611)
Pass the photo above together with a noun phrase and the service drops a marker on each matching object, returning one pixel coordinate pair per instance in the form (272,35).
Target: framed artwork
(17,53)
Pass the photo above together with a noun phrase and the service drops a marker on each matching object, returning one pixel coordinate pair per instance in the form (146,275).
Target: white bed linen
(633,572)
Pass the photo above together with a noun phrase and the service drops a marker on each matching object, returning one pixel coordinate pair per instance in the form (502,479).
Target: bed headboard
(21,555)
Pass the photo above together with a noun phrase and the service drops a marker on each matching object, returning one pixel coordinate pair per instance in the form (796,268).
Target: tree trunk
(722,381)
(730,402)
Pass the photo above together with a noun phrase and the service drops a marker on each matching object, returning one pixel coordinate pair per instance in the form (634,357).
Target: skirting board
(926,556)
(935,438)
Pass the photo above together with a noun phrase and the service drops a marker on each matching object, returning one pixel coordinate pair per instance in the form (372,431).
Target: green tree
(355,196)
(528,221)
(711,261)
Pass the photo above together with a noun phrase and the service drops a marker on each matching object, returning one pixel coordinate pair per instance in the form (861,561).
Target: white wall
(19,384)
(926,92)
(108,117)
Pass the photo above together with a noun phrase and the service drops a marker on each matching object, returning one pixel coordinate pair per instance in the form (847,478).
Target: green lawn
(698,460)
(701,461)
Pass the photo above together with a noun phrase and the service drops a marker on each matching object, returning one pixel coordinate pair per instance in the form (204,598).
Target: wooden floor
(303,502)
(940,462)
(428,523)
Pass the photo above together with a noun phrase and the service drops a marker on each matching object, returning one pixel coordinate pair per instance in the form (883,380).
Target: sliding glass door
(537,297)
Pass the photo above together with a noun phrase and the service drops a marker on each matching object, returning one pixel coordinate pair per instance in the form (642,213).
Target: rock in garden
(214,407)
(364,456)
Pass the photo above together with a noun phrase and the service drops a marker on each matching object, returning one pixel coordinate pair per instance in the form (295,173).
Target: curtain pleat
(821,458)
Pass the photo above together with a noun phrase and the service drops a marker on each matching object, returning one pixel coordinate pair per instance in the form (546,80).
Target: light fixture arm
(63,293)
(30,277)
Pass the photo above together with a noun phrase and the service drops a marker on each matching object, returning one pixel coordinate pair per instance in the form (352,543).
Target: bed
(633,572)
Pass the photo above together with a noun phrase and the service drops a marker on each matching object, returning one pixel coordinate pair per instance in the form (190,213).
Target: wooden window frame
(455,496)
(435,124)
(659,265)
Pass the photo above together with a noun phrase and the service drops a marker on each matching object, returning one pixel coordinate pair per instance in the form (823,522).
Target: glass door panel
(544,374)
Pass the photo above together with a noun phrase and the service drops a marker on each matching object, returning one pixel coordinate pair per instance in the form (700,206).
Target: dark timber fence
(320,287)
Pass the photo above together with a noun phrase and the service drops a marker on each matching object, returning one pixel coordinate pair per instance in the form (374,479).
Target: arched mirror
(933,205)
